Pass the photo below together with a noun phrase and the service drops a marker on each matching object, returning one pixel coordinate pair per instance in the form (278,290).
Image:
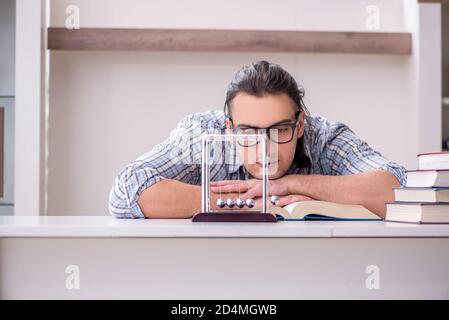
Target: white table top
(109,227)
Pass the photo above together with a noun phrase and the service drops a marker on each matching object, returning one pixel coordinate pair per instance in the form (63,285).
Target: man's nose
(272,151)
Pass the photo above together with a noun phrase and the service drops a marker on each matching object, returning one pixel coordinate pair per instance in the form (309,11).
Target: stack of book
(425,198)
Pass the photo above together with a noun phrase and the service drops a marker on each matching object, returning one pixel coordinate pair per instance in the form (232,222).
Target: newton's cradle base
(234,216)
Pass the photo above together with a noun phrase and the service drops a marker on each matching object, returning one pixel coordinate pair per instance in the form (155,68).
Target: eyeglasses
(280,134)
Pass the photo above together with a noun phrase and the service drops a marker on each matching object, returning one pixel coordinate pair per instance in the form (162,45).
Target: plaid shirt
(332,148)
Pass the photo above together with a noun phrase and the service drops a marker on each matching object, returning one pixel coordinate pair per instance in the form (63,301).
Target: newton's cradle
(229,209)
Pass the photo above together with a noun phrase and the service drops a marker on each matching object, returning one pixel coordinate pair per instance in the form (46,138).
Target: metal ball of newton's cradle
(274,200)
(249,203)
(240,203)
(221,203)
(230,203)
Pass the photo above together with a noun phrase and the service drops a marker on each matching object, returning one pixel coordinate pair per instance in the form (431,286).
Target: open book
(322,210)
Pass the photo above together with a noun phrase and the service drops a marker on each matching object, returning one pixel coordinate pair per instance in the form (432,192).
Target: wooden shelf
(228,40)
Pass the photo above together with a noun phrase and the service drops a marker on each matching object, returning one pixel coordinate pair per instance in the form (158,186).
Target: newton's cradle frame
(225,215)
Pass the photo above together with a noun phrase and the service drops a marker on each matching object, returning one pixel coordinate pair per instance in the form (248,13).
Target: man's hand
(252,188)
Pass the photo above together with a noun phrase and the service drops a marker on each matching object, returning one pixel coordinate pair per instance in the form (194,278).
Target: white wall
(105,107)
(333,15)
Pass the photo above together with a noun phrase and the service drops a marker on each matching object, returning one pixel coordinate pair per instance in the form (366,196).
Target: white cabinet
(7,97)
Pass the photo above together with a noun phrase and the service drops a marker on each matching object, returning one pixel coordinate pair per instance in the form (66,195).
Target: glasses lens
(281,133)
(246,141)
(277,134)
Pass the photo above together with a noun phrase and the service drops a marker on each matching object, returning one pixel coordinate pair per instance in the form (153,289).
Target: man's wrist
(293,184)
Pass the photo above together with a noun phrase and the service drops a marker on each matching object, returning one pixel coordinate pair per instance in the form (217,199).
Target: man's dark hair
(261,78)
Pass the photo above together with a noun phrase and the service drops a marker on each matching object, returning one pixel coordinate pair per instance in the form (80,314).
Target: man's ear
(300,127)
(228,122)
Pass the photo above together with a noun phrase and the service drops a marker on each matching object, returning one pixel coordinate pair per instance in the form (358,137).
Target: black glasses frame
(267,129)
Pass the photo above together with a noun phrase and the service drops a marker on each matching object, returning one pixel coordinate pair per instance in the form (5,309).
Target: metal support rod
(204,178)
(205,168)
(264,174)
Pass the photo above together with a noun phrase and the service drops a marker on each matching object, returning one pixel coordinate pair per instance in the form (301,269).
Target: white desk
(181,259)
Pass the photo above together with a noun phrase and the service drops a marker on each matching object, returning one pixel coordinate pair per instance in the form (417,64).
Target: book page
(279,210)
(335,210)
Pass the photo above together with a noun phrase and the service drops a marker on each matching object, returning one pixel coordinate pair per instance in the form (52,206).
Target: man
(314,158)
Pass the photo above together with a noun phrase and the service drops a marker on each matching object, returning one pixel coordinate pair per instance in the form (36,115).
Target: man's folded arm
(173,159)
(352,173)
(346,154)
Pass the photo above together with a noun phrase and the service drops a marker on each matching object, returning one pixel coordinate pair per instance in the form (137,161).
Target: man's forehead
(263,121)
(262,111)
(255,124)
